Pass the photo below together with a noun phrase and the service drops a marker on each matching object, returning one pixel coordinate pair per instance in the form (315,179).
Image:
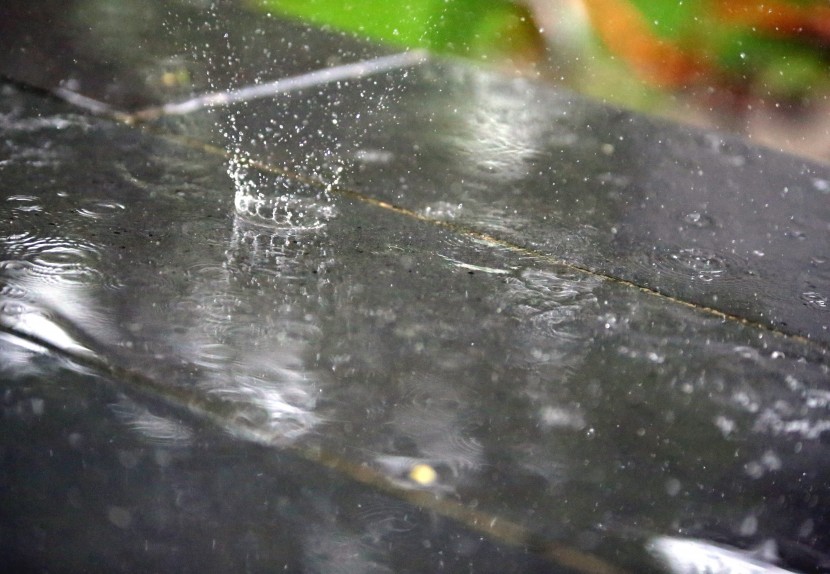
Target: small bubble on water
(725,425)
(162,457)
(119,516)
(806,528)
(749,526)
(38,407)
(698,219)
(128,459)
(655,358)
(373,156)
(754,469)
(771,460)
(558,417)
(822,185)
(673,487)
(75,440)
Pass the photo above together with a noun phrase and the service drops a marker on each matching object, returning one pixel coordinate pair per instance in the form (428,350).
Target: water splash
(265,192)
(278,200)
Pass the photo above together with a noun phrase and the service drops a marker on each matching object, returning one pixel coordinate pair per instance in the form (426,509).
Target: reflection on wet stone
(153,428)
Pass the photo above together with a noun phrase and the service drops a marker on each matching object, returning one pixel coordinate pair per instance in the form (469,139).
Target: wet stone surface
(409,322)
(697,216)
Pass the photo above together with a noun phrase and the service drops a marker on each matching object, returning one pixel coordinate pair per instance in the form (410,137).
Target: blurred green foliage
(475,28)
(777,48)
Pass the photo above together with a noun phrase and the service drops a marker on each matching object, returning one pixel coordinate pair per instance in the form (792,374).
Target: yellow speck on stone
(423,474)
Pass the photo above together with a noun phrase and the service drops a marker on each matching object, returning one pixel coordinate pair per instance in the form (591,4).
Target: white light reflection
(689,556)
(45,307)
(283,403)
(498,138)
(257,335)
(155,429)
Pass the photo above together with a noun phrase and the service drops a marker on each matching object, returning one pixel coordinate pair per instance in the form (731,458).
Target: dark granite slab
(429,318)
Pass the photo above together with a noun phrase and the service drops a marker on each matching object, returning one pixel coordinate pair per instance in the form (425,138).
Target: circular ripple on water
(543,287)
(18,244)
(157,430)
(816,285)
(54,260)
(10,291)
(256,250)
(222,308)
(697,265)
(428,423)
(99,209)
(25,203)
(387,520)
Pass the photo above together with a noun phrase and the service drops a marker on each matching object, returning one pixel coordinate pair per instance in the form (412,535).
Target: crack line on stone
(487,237)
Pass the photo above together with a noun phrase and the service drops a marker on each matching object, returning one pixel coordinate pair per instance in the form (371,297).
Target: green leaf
(466,27)
(670,18)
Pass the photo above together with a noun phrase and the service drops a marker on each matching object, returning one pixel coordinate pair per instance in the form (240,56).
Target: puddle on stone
(695,264)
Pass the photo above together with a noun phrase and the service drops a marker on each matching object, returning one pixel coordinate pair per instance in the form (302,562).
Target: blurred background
(759,68)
